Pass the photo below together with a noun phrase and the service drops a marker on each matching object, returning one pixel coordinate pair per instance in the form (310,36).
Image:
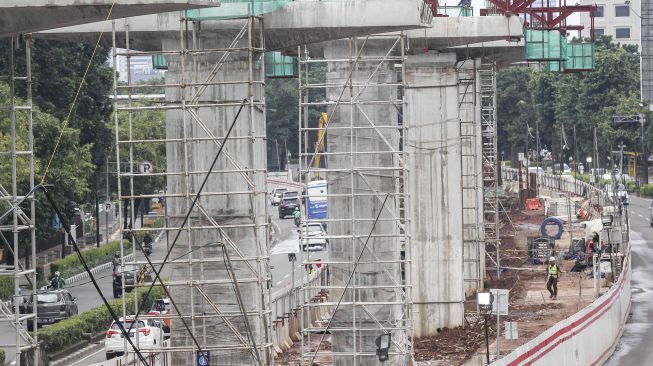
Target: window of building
(600,10)
(621,33)
(622,10)
(599,31)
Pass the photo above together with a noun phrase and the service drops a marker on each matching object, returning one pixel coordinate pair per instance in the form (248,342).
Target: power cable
(115,318)
(79,90)
(351,275)
(165,289)
(190,209)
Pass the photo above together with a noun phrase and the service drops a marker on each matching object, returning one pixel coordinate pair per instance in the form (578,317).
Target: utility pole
(108,199)
(97,221)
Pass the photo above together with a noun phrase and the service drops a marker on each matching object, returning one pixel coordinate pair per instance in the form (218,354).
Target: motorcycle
(297,221)
(147,248)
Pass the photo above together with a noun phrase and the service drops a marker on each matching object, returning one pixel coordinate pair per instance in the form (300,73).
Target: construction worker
(552,274)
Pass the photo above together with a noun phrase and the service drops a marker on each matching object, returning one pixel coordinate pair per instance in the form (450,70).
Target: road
(637,341)
(284,241)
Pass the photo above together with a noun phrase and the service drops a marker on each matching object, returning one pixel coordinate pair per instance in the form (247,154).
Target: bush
(646,190)
(70,331)
(70,265)
(631,186)
(2,356)
(6,288)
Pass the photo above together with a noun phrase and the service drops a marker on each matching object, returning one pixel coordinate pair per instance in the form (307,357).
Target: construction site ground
(530,306)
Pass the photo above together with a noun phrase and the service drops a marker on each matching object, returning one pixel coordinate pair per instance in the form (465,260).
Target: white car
(275,195)
(312,236)
(146,334)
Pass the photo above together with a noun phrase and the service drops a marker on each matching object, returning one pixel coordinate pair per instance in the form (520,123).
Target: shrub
(6,288)
(2,356)
(646,190)
(631,186)
(70,265)
(70,331)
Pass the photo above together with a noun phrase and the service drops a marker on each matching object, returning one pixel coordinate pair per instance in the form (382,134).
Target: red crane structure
(546,15)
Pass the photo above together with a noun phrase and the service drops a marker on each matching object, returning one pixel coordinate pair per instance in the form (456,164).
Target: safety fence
(562,183)
(590,336)
(286,312)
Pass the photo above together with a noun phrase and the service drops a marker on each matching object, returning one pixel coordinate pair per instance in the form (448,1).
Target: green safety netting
(230,9)
(544,45)
(580,57)
(456,11)
(159,62)
(280,66)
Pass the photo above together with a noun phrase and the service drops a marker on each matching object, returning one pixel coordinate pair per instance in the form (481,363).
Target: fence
(590,336)
(563,183)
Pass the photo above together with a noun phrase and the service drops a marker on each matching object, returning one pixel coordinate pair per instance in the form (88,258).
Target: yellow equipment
(319,145)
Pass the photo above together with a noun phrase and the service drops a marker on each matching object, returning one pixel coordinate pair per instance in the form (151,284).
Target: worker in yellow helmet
(552,274)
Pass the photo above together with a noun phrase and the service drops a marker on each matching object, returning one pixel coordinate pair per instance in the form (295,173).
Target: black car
(118,272)
(287,206)
(51,307)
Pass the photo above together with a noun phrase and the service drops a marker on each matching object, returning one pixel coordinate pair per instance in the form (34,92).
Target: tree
(586,100)
(68,173)
(57,70)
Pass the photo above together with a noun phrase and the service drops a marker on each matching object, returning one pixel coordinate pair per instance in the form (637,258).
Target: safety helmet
(552,259)
(57,273)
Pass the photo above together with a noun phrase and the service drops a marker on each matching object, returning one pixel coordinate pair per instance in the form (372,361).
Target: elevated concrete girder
(448,32)
(27,16)
(457,31)
(502,52)
(299,22)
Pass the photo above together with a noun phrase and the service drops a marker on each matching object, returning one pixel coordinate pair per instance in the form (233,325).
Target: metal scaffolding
(491,219)
(212,186)
(470,172)
(17,201)
(367,294)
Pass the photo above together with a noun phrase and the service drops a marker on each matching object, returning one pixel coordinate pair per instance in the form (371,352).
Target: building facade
(620,19)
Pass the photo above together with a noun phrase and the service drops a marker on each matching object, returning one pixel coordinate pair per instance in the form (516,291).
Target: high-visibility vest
(553,270)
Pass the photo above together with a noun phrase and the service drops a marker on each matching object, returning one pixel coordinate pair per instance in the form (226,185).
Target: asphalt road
(637,340)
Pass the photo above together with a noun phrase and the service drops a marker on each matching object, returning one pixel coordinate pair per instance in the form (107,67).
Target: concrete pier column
(231,211)
(433,145)
(361,163)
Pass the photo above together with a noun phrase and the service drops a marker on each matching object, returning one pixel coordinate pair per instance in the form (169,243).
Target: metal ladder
(491,219)
(471,204)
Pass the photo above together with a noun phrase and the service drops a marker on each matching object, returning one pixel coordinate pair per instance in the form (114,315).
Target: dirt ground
(529,305)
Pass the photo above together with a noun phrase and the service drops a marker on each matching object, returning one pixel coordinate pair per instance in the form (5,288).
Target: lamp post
(485,300)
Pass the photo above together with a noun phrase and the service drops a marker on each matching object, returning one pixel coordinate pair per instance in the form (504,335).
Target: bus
(316,200)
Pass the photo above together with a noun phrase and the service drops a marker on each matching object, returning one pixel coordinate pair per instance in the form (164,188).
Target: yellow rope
(79,89)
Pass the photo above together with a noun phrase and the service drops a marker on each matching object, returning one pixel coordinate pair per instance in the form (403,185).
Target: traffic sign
(146,167)
(107,206)
(203,358)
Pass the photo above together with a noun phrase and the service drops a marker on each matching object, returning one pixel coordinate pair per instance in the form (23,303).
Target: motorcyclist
(116,259)
(296,215)
(57,281)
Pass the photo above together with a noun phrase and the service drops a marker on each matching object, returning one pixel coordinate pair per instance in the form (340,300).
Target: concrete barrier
(286,312)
